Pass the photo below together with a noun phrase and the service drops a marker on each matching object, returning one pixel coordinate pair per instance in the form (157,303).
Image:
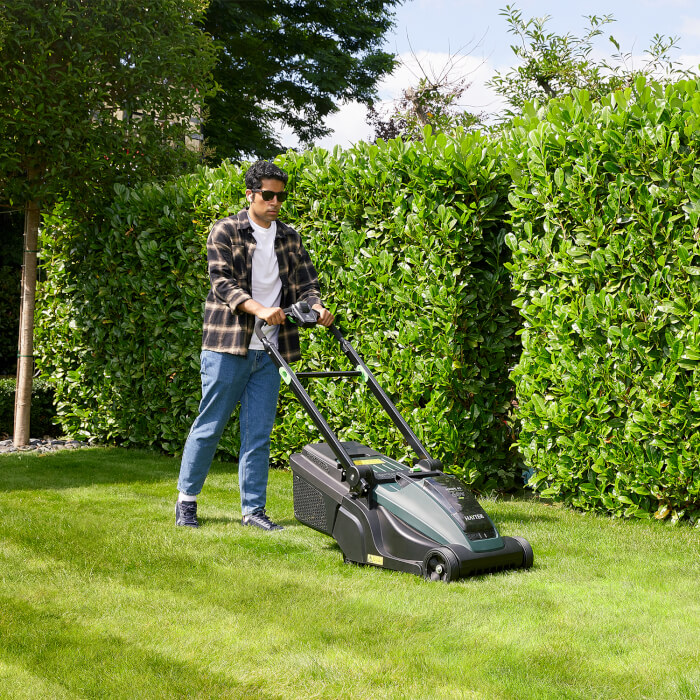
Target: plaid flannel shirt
(230,248)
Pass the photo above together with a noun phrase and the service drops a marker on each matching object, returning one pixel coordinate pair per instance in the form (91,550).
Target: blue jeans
(227,379)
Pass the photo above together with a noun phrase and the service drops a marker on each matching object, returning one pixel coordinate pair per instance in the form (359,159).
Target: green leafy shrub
(11,247)
(9,318)
(409,242)
(606,263)
(43,412)
(119,324)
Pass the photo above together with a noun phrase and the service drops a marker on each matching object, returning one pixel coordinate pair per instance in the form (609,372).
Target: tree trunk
(25,355)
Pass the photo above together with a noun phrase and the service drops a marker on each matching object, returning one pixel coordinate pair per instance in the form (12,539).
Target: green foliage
(409,244)
(433,102)
(9,318)
(4,26)
(551,64)
(290,62)
(606,262)
(120,323)
(97,93)
(11,245)
(43,411)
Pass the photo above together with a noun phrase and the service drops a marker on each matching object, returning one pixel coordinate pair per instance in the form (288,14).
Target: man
(257,267)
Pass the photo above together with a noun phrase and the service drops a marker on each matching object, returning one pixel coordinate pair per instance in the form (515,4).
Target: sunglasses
(269,195)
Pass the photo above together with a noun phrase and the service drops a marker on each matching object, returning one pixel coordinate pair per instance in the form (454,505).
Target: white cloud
(690,62)
(349,126)
(690,26)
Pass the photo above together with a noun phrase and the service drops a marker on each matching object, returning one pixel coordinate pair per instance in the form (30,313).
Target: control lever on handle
(302,315)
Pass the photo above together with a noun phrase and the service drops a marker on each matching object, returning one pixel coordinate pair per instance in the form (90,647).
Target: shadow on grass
(30,471)
(110,664)
(218,520)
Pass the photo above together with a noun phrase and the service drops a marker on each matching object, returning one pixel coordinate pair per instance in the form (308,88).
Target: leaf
(538,401)
(683,255)
(663,512)
(511,241)
(611,166)
(598,260)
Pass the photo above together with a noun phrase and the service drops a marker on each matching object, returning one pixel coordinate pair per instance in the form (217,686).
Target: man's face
(261,211)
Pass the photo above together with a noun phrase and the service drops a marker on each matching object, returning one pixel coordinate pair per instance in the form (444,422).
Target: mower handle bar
(305,317)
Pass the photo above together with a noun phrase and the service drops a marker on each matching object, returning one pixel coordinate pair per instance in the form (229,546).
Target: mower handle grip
(300,314)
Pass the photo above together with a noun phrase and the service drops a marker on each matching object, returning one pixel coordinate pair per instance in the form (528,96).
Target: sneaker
(259,519)
(186,513)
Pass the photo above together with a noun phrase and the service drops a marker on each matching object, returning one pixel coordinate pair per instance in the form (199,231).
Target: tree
(433,102)
(91,94)
(290,62)
(552,64)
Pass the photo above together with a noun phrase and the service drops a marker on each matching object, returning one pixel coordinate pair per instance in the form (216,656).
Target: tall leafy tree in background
(91,94)
(290,62)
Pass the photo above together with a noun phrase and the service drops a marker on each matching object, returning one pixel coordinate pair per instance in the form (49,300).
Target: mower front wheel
(440,564)
(528,556)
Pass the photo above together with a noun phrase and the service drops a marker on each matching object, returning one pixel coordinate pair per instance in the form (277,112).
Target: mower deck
(421,522)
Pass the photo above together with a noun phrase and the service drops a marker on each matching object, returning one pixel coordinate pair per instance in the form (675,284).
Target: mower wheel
(528,556)
(440,564)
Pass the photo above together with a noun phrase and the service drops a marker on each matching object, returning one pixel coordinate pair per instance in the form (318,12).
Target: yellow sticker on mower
(368,461)
(374,559)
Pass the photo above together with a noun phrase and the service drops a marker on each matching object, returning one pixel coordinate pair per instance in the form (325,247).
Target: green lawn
(101,596)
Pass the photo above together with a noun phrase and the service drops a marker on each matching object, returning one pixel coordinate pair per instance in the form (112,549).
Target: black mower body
(382,512)
(421,522)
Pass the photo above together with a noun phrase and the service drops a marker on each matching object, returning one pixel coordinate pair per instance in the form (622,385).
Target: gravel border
(42,445)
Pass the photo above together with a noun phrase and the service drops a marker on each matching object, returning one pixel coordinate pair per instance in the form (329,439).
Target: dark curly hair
(263,169)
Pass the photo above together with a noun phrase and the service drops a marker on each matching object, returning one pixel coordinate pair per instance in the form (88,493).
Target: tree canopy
(93,93)
(290,62)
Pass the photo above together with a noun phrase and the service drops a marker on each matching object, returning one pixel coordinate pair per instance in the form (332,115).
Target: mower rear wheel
(528,556)
(440,564)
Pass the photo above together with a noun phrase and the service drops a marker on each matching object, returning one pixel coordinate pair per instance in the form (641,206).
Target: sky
(473,35)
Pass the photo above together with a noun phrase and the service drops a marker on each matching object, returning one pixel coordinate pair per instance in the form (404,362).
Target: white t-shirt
(266,283)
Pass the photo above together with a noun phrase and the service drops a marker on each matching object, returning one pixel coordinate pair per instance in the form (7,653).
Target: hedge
(43,412)
(600,206)
(606,263)
(11,250)
(10,291)
(409,243)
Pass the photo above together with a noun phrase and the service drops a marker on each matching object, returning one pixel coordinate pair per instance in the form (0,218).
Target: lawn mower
(380,511)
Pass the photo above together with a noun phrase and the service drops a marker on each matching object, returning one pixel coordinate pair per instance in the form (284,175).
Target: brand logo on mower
(476,516)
